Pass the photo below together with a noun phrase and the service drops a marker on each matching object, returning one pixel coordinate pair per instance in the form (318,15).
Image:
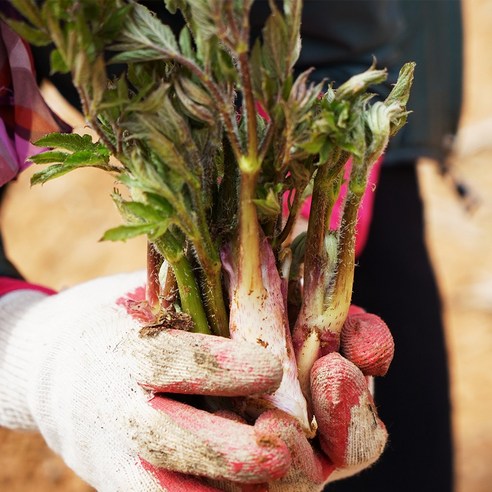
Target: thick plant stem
(214,300)
(249,234)
(189,292)
(315,256)
(213,295)
(342,290)
(209,259)
(250,105)
(317,259)
(313,328)
(258,312)
(319,333)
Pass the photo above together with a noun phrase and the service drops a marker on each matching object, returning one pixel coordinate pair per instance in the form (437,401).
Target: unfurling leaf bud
(359,83)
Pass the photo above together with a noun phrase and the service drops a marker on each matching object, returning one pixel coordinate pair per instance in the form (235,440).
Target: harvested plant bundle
(207,176)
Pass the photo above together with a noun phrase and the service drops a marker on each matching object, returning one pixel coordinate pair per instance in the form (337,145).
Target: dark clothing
(6,268)
(432,37)
(394,279)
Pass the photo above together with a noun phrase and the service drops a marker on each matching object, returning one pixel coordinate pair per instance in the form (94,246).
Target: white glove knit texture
(16,345)
(65,371)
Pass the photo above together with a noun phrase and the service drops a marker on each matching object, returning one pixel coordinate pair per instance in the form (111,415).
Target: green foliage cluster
(172,120)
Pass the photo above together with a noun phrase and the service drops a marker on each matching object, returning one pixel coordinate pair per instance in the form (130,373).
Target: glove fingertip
(175,361)
(306,465)
(367,342)
(210,445)
(351,433)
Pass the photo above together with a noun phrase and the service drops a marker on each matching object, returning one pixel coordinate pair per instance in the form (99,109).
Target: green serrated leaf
(224,67)
(72,142)
(141,211)
(144,38)
(81,158)
(325,151)
(54,171)
(401,90)
(124,232)
(58,8)
(159,203)
(152,101)
(195,91)
(29,10)
(141,76)
(186,43)
(87,38)
(49,157)
(129,55)
(203,20)
(189,95)
(359,83)
(275,55)
(269,205)
(174,5)
(57,63)
(314,146)
(114,23)
(267,208)
(32,35)
(86,158)
(257,70)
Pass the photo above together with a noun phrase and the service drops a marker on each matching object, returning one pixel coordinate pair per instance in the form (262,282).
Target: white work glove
(74,366)
(350,435)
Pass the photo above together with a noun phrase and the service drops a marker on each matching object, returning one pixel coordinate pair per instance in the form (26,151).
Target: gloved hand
(75,367)
(350,435)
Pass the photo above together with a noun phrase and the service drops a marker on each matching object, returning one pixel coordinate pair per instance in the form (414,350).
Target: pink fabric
(24,116)
(178,482)
(8,284)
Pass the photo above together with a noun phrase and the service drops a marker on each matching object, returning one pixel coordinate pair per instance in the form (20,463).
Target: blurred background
(52,233)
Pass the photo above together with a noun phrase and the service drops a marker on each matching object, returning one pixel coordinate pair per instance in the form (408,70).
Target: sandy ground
(55,231)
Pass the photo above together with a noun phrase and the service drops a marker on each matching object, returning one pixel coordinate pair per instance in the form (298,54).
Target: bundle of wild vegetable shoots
(207,175)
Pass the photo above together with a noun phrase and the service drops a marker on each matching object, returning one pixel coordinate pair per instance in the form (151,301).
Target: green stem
(340,295)
(250,279)
(172,250)
(212,292)
(291,219)
(323,199)
(209,260)
(249,105)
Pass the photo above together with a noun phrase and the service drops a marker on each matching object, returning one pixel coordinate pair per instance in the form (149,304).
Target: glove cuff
(9,284)
(17,347)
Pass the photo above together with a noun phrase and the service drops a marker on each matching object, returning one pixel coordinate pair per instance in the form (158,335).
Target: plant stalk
(316,262)
(209,260)
(191,303)
(249,233)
